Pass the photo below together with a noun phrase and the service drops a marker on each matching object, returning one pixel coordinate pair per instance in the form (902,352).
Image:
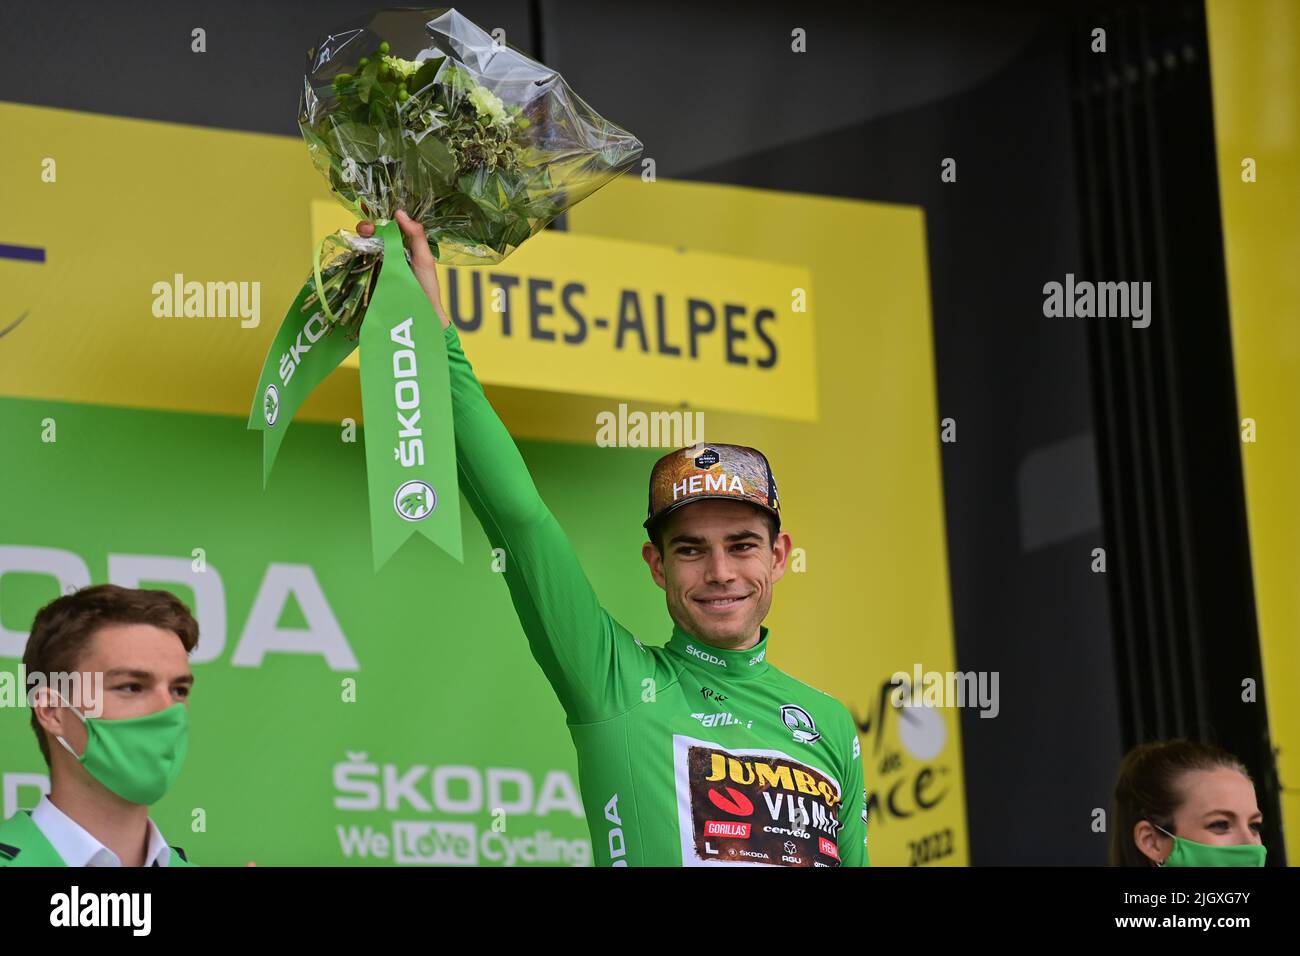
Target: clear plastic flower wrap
(422,110)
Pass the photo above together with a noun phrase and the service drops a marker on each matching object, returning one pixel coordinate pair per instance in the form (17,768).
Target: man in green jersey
(699,752)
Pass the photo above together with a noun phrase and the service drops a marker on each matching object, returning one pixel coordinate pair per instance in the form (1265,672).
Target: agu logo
(415,500)
(271,404)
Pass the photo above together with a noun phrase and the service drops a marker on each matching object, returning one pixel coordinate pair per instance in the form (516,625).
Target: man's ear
(51,715)
(47,709)
(650,554)
(780,555)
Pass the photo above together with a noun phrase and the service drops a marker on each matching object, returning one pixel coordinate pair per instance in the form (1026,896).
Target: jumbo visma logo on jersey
(754,808)
(783,774)
(405,396)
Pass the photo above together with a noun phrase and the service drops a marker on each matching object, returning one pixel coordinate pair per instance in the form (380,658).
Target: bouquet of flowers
(422,111)
(472,139)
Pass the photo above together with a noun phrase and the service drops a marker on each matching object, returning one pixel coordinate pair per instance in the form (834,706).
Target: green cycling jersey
(688,755)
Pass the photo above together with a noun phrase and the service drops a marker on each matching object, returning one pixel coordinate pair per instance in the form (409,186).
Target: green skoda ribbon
(405,397)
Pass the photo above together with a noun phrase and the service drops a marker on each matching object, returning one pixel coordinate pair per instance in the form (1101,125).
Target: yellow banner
(596,316)
(155,272)
(1255,59)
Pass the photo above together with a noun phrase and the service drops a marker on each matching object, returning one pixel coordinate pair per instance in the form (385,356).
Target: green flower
(488,104)
(401,67)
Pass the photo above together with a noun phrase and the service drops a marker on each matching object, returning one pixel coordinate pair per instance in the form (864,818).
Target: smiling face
(717,569)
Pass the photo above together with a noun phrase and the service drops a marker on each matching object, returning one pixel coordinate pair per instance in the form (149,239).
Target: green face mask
(1191,853)
(138,758)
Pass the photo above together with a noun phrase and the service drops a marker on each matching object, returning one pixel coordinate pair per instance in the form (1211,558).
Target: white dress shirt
(78,848)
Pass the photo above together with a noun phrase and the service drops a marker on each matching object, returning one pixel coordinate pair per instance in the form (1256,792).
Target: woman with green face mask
(1182,803)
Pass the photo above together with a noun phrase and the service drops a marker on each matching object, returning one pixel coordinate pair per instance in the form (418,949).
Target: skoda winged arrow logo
(271,404)
(415,500)
(800,723)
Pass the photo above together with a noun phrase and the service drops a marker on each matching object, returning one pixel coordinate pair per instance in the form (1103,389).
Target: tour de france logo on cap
(708,459)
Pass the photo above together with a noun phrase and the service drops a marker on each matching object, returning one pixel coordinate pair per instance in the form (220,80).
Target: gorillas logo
(415,500)
(800,723)
(271,404)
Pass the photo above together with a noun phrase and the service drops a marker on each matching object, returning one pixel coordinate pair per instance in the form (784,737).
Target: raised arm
(591,661)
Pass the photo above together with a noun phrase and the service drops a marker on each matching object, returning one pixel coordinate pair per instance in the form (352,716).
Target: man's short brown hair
(64,627)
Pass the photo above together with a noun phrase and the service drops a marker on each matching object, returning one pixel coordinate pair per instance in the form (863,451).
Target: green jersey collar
(736,664)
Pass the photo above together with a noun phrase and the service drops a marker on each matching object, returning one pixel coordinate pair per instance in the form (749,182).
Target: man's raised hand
(422,262)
